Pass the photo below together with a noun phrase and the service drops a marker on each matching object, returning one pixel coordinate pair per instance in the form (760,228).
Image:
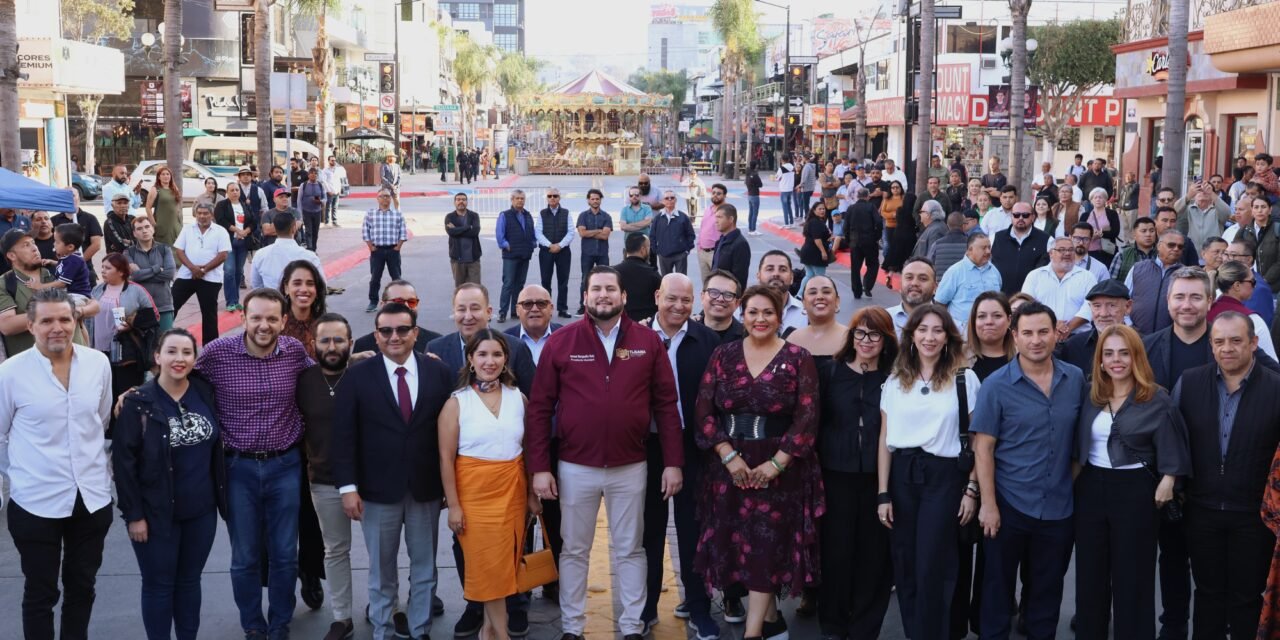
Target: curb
(228,320)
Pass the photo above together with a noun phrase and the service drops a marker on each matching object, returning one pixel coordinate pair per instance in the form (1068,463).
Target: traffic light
(798,81)
(793,121)
(387,77)
(388,118)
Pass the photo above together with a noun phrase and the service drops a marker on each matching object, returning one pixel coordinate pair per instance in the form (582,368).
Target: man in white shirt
(533,308)
(269,262)
(200,250)
(53,457)
(332,178)
(891,174)
(918,285)
(1062,286)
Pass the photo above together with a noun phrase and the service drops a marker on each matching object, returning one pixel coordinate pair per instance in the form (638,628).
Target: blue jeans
(811,270)
(786,207)
(263,498)
(233,270)
(166,321)
(514,273)
(171,566)
(753,207)
(331,209)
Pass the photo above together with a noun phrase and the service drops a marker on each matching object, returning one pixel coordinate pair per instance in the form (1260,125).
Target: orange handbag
(537,568)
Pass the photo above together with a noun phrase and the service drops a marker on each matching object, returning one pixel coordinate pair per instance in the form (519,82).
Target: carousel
(595,124)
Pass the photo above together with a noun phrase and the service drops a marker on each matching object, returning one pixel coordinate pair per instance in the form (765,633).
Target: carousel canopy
(597,82)
(598,90)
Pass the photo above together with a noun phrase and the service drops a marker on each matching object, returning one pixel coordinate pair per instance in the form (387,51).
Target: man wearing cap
(1109,304)
(118,226)
(252,197)
(19,248)
(281,198)
(1018,250)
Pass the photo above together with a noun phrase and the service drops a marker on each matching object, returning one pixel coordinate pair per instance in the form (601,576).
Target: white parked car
(193,176)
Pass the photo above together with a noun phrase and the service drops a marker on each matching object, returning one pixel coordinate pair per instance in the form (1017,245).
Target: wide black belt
(258,455)
(750,426)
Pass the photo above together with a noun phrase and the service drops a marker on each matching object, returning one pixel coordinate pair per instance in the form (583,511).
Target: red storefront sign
(886,111)
(1098,111)
(953,94)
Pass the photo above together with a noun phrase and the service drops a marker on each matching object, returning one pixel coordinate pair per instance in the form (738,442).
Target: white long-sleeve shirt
(52,438)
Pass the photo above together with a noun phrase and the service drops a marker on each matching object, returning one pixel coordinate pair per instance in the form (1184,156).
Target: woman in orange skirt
(481,429)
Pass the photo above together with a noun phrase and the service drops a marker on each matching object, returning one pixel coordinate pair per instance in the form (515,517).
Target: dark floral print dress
(766,539)
(1269,624)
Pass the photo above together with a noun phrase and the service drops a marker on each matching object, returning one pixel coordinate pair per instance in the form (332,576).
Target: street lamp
(1005,48)
(149,41)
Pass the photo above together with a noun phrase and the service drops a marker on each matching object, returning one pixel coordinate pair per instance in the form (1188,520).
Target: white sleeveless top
(484,436)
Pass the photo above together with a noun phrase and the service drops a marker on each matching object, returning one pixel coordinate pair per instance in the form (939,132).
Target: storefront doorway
(1193,153)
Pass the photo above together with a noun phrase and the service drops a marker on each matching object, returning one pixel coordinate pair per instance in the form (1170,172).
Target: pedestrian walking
(384,232)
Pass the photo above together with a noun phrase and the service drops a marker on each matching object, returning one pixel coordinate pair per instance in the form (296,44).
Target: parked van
(225,154)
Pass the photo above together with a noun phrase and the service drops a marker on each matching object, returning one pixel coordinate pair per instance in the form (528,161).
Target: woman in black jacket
(242,223)
(170,479)
(1131,446)
(857,575)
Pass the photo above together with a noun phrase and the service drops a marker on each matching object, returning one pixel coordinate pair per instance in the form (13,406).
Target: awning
(20,192)
(70,66)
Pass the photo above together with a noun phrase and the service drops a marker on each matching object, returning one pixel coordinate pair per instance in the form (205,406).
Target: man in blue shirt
(516,239)
(1024,432)
(973,275)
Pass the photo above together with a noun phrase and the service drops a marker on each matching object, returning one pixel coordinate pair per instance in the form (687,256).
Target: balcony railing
(1147,19)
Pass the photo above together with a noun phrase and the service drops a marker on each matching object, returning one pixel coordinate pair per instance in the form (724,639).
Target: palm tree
(1175,106)
(517,77)
(472,67)
(263,65)
(1018,10)
(735,21)
(924,84)
(172,35)
(859,142)
(321,64)
(10,146)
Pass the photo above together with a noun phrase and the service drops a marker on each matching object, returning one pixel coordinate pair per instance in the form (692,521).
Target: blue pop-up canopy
(20,192)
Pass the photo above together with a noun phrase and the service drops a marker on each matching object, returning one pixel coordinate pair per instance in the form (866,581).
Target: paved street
(426,264)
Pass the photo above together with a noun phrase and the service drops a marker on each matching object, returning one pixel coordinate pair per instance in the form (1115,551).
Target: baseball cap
(11,238)
(120,196)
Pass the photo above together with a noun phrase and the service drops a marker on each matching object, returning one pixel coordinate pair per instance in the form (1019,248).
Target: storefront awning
(70,66)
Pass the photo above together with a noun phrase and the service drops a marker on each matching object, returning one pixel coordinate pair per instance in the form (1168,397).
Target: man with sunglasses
(384,232)
(398,292)
(1166,219)
(1018,250)
(1148,283)
(554,234)
(672,236)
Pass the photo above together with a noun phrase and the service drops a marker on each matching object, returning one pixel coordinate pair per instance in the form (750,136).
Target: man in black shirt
(877,189)
(719,300)
(42,233)
(463,226)
(732,252)
(640,280)
(1095,178)
(994,181)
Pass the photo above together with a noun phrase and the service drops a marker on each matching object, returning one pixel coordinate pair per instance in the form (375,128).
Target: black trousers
(857,572)
(1230,557)
(858,255)
(587,262)
(1175,581)
(47,547)
(559,264)
(206,294)
(1116,529)
(1052,541)
(311,223)
(926,492)
(310,540)
(656,512)
(385,257)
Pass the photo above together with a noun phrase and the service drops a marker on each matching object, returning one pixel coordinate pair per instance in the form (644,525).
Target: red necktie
(402,394)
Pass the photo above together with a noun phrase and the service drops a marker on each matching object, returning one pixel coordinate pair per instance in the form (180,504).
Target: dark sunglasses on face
(534,304)
(412,303)
(1173,245)
(402,331)
(1022,215)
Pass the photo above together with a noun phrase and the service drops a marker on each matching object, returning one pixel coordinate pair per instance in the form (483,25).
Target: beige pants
(1126,225)
(704,262)
(581,489)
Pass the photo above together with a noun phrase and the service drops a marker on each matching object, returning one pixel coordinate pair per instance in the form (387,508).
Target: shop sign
(824,120)
(152,103)
(833,35)
(1096,111)
(1158,65)
(70,66)
(886,111)
(953,94)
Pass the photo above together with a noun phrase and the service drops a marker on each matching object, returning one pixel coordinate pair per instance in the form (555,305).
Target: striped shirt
(256,396)
(384,227)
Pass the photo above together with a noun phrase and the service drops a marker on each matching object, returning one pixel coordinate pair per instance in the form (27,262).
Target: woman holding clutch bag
(481,462)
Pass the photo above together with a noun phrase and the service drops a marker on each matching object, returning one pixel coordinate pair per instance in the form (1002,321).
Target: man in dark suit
(471,314)
(386,464)
(689,347)
(639,279)
(732,252)
(533,309)
(403,292)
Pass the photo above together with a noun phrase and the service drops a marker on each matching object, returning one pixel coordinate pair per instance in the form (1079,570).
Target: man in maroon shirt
(603,380)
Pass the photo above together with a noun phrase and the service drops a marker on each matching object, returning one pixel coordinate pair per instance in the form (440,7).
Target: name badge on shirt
(582,357)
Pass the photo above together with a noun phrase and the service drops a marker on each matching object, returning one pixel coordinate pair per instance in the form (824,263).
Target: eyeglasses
(1080,239)
(553,195)
(1022,215)
(867,336)
(1251,282)
(534,304)
(402,331)
(717,294)
(1229,255)
(1173,245)
(412,303)
(1063,250)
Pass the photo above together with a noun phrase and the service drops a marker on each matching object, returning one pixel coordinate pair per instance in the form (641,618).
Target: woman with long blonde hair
(1131,446)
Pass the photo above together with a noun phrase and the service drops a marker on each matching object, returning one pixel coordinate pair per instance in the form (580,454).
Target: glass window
(506,15)
(467,11)
(882,75)
(507,41)
(1244,137)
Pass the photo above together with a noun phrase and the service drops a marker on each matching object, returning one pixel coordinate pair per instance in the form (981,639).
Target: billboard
(833,35)
(998,102)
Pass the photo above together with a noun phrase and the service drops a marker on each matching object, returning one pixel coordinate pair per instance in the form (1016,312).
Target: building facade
(502,18)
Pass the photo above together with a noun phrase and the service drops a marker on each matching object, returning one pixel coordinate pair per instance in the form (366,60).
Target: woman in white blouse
(923,497)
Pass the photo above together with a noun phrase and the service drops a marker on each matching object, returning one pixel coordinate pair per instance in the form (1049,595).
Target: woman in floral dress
(758,411)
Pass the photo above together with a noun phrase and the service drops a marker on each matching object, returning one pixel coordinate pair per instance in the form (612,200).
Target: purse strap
(542,523)
(962,395)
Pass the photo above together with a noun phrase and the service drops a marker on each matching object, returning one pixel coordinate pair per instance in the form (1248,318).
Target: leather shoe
(312,591)
(437,606)
(340,630)
(400,622)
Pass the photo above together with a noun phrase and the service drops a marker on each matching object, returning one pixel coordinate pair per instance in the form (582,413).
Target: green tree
(93,21)
(473,67)
(736,23)
(321,64)
(517,78)
(10,146)
(1072,62)
(663,82)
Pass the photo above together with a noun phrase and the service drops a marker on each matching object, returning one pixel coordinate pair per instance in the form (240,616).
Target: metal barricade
(490,201)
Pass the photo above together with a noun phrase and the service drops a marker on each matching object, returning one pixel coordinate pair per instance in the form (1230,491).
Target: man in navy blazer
(386,464)
(689,347)
(471,314)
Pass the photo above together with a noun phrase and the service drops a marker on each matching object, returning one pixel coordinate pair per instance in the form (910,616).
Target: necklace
(334,386)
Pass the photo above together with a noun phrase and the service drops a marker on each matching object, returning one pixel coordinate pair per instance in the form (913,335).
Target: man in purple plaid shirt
(256,376)
(384,232)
